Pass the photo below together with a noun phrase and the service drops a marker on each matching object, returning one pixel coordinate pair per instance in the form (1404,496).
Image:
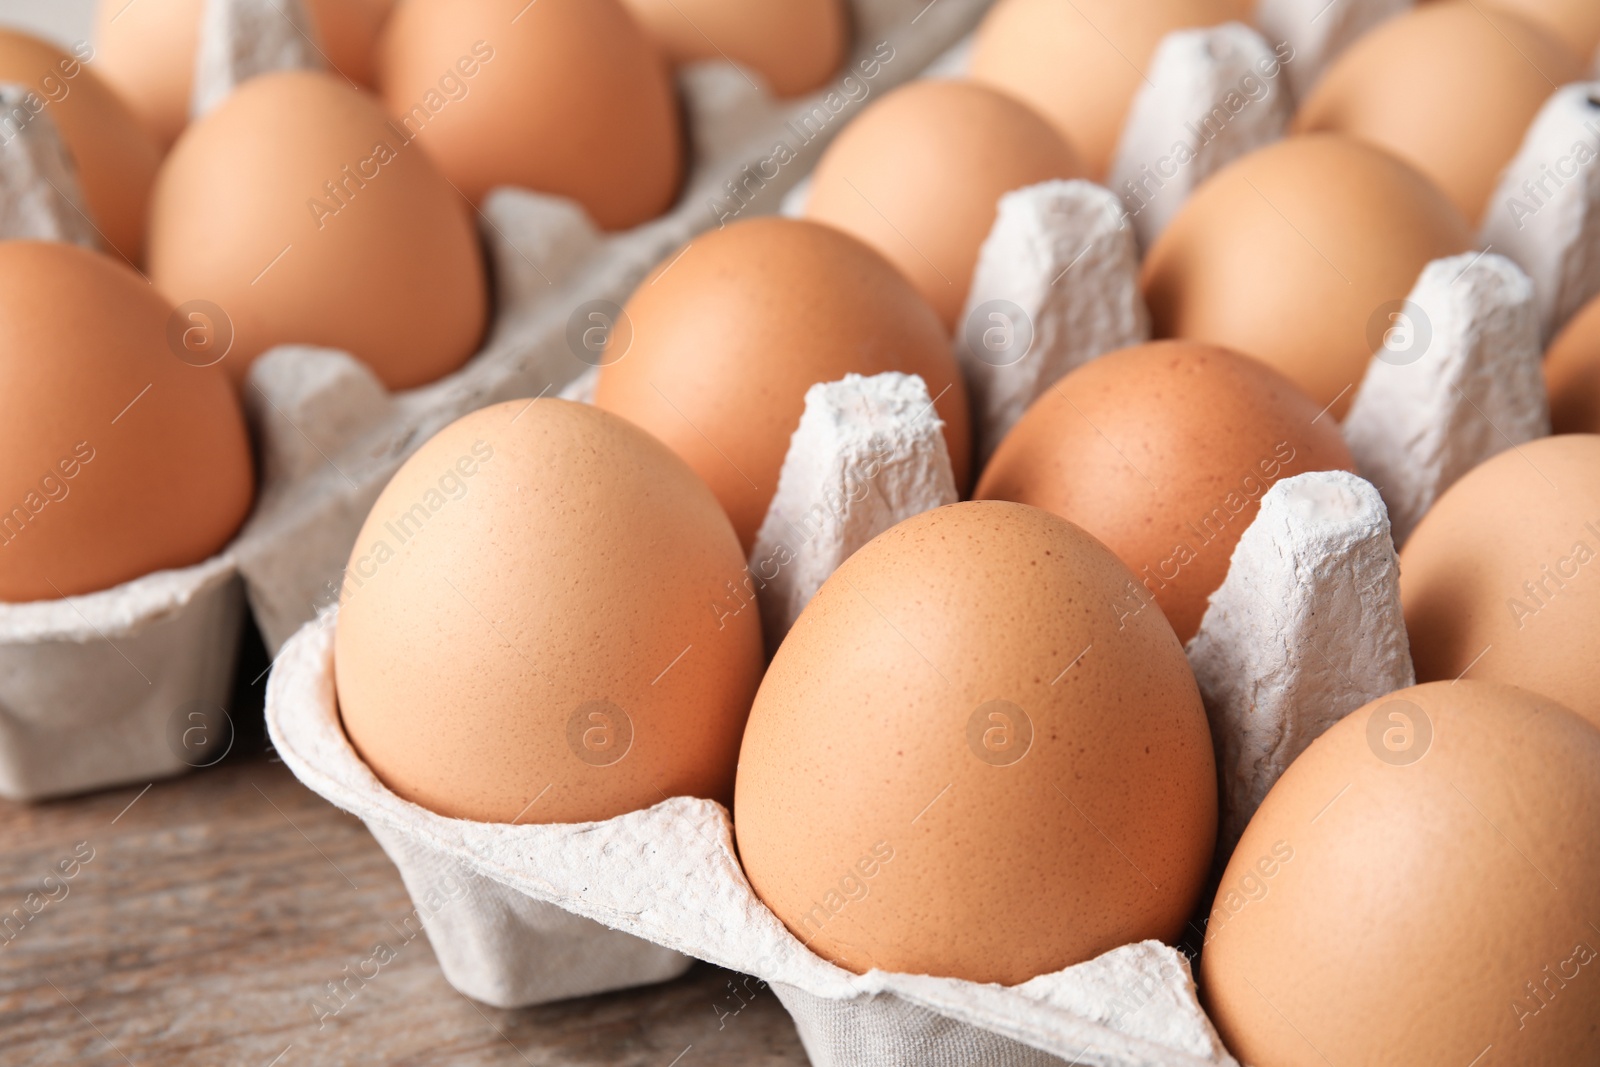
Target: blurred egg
(962,763)
(722,341)
(115,158)
(567,97)
(1163,452)
(528,628)
(1296,254)
(301,213)
(1575,22)
(1572,373)
(1419,887)
(793,45)
(1450,88)
(920,173)
(117,457)
(1501,579)
(147,50)
(1080,63)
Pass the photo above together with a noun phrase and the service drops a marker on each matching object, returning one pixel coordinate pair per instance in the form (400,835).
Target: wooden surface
(217,907)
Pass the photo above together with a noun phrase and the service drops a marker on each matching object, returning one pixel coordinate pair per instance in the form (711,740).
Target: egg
(1572,373)
(147,51)
(115,158)
(529,627)
(793,45)
(567,97)
(117,458)
(919,176)
(1501,580)
(1163,452)
(723,339)
(1575,22)
(1296,253)
(965,762)
(299,212)
(1080,63)
(1450,88)
(1419,887)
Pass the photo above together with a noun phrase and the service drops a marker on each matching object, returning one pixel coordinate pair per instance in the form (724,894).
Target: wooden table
(216,907)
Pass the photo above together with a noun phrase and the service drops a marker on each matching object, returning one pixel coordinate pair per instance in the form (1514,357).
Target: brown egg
(1572,373)
(116,159)
(1575,22)
(564,96)
(147,51)
(299,211)
(920,173)
(529,627)
(117,458)
(1501,580)
(1419,887)
(1292,254)
(964,761)
(1449,88)
(727,336)
(1163,452)
(794,45)
(1080,63)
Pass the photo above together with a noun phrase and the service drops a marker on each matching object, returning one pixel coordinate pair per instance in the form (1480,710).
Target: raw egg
(562,96)
(716,349)
(920,173)
(1419,887)
(118,457)
(1296,253)
(1163,452)
(963,762)
(794,45)
(303,217)
(1080,63)
(1450,88)
(529,627)
(1572,373)
(1501,580)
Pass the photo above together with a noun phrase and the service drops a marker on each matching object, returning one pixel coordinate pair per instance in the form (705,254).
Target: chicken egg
(794,45)
(1572,373)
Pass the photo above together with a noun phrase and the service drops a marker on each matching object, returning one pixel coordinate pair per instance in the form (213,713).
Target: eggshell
(1419,887)
(962,762)
(1575,22)
(1080,63)
(300,212)
(528,629)
(1163,452)
(1501,580)
(115,158)
(563,96)
(1450,88)
(794,45)
(1572,373)
(147,51)
(920,173)
(725,337)
(117,459)
(1293,252)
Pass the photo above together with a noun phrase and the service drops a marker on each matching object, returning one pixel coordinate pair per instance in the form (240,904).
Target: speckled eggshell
(300,212)
(964,761)
(920,173)
(793,45)
(1163,452)
(1420,887)
(568,97)
(725,337)
(1293,252)
(1450,88)
(535,627)
(115,157)
(1501,580)
(1080,63)
(117,458)
(1572,373)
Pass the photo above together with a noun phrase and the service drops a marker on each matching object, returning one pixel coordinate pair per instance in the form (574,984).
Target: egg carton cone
(240,39)
(329,436)
(40,198)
